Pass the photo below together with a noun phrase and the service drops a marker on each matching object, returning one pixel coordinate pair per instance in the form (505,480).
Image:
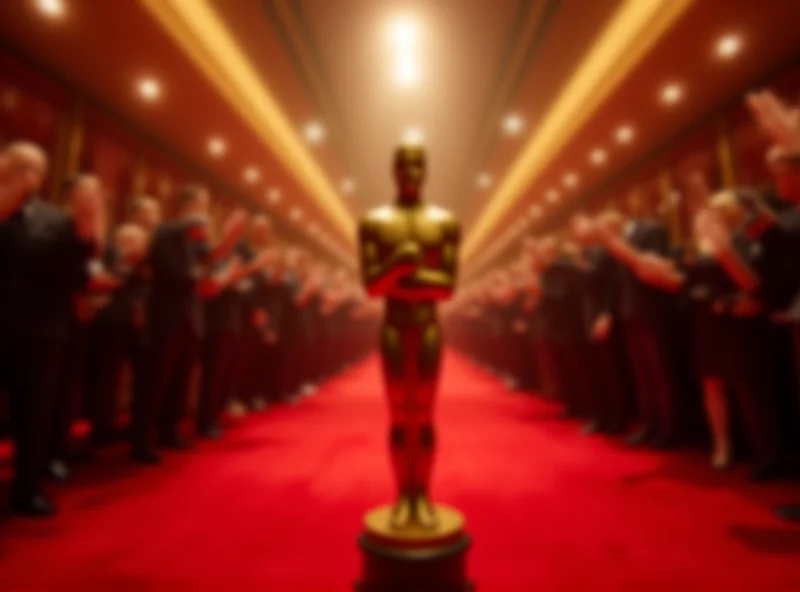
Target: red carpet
(276,506)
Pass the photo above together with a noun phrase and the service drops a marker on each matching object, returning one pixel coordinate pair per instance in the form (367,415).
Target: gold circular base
(450,525)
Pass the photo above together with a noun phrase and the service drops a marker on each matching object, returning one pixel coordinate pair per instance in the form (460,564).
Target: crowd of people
(667,343)
(81,302)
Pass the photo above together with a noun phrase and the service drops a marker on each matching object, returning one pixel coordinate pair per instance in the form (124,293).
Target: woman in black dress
(731,335)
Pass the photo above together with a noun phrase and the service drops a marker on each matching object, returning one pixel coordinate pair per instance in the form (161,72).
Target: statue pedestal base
(414,559)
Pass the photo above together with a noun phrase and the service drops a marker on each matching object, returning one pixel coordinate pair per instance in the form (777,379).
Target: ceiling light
(252,175)
(404,34)
(348,185)
(51,8)
(598,157)
(406,71)
(624,134)
(535,211)
(216,146)
(149,89)
(553,195)
(671,94)
(513,124)
(413,136)
(296,214)
(728,46)
(571,180)
(274,195)
(484,180)
(314,132)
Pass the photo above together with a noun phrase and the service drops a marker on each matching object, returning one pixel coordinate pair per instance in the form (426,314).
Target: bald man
(44,254)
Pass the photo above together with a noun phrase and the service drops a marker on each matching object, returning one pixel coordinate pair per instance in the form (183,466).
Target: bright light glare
(598,157)
(252,175)
(728,46)
(624,134)
(407,71)
(51,8)
(513,124)
(149,89)
(404,34)
(413,136)
(274,195)
(671,94)
(484,180)
(217,146)
(348,186)
(314,132)
(571,180)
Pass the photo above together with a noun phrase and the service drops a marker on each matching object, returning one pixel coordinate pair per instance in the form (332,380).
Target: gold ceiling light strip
(631,33)
(203,37)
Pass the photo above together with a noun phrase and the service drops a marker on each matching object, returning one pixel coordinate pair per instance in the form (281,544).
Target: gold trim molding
(630,34)
(202,36)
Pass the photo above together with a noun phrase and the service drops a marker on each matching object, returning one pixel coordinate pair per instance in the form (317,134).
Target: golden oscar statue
(409,252)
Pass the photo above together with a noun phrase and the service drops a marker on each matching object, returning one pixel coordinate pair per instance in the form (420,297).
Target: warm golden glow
(629,36)
(148,88)
(729,46)
(216,146)
(201,34)
(51,8)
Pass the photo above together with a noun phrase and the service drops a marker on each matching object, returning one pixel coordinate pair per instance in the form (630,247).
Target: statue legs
(411,361)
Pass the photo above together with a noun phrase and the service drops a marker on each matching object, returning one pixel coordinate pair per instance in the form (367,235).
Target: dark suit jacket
(777,263)
(43,265)
(640,301)
(132,293)
(175,262)
(561,303)
(600,286)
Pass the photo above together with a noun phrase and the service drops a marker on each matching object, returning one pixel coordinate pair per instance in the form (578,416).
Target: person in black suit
(43,259)
(180,260)
(560,304)
(646,314)
(610,396)
(252,357)
(88,299)
(222,342)
(118,333)
(778,234)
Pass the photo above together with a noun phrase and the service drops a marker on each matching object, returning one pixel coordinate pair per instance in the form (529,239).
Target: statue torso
(420,223)
(425,225)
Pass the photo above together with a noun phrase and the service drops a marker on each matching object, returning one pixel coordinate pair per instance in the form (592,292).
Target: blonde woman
(731,334)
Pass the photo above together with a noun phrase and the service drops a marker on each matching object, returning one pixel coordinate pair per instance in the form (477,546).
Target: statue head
(409,170)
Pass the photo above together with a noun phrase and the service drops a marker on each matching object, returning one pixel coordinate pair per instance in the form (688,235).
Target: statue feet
(402,513)
(424,512)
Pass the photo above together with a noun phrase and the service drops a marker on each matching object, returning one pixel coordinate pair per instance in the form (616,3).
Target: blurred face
(728,210)
(786,174)
(24,165)
(198,206)
(88,188)
(582,229)
(147,214)
(409,171)
(131,240)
